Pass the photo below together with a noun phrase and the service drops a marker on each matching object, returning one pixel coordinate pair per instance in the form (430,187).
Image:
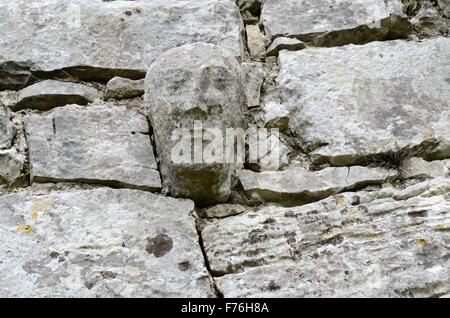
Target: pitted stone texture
(11,165)
(103,144)
(100,243)
(298,186)
(97,40)
(351,102)
(334,22)
(6,128)
(49,94)
(385,243)
(123,88)
(196,82)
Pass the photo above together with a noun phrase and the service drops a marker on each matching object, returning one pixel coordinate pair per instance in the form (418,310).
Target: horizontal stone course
(352,102)
(103,144)
(99,243)
(97,40)
(364,244)
(335,22)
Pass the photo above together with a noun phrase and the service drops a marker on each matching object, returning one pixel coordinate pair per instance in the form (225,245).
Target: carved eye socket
(217,78)
(176,81)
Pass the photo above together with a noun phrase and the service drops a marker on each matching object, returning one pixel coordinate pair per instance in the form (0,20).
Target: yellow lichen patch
(133,271)
(442,227)
(414,224)
(136,10)
(365,235)
(34,215)
(341,201)
(375,237)
(23,228)
(422,243)
(353,214)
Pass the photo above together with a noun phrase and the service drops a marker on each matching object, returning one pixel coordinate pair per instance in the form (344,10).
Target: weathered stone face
(196,82)
(364,244)
(100,243)
(102,144)
(355,101)
(6,128)
(334,22)
(99,40)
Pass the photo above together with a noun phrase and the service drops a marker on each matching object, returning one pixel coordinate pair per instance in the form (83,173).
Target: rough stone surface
(298,186)
(331,94)
(334,22)
(103,144)
(428,17)
(340,181)
(255,42)
(365,244)
(100,243)
(254,78)
(444,5)
(186,84)
(284,44)
(49,94)
(6,128)
(11,165)
(417,167)
(99,40)
(429,22)
(8,98)
(123,88)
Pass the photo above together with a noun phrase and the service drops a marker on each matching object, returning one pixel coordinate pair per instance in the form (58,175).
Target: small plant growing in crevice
(391,160)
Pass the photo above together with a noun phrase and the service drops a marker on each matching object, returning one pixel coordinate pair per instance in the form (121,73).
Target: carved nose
(198,111)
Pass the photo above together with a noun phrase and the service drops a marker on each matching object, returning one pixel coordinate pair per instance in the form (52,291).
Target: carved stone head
(190,85)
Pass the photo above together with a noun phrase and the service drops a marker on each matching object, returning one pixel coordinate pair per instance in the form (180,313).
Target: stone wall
(93,205)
